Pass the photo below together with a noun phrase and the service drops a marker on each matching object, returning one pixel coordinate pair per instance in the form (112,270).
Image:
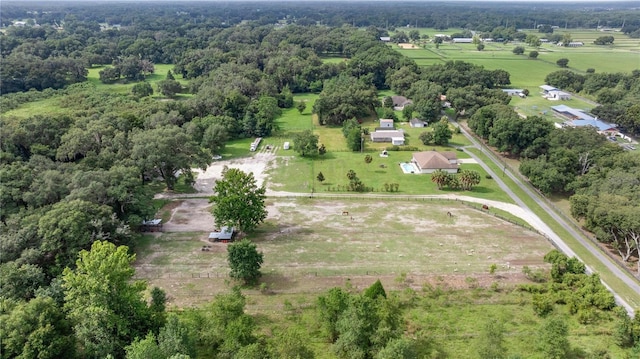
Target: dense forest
(75,186)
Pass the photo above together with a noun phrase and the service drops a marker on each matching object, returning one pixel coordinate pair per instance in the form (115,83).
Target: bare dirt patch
(256,164)
(408,46)
(189,215)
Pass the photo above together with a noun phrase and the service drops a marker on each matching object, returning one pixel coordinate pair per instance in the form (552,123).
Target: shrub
(542,304)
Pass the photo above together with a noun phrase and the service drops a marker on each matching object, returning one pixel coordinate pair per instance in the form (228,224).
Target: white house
(558,95)
(554,94)
(430,161)
(393,136)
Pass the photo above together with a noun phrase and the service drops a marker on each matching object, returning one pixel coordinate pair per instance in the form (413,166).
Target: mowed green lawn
(296,174)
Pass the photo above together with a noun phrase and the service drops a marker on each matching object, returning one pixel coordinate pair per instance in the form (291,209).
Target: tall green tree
(245,261)
(142,89)
(165,151)
(238,201)
(69,227)
(305,143)
(563,62)
(330,307)
(441,132)
(107,309)
(343,98)
(35,329)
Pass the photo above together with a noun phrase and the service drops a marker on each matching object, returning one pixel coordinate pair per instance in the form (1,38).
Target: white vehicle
(286,145)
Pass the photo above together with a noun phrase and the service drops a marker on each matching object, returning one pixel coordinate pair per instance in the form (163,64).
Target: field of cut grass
(294,121)
(295,174)
(527,73)
(46,107)
(536,105)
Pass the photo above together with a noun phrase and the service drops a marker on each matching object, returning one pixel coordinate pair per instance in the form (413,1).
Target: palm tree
(440,178)
(468,179)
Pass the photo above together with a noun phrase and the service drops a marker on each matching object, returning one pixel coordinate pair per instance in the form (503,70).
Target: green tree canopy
(239,202)
(165,151)
(345,97)
(305,143)
(106,308)
(245,261)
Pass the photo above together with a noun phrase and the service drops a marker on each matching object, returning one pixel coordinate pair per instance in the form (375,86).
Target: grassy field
(123,87)
(527,73)
(416,250)
(305,237)
(295,174)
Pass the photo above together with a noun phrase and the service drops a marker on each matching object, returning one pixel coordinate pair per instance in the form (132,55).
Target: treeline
(471,15)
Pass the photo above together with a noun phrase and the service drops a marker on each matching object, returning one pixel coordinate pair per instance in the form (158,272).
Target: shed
(415,122)
(386,123)
(225,234)
(151,225)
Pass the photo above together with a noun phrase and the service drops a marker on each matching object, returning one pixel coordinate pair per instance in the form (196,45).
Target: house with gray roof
(396,137)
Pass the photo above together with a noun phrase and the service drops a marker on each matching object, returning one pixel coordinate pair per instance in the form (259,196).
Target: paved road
(541,226)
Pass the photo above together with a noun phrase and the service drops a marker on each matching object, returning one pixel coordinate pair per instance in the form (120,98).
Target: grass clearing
(437,266)
(305,237)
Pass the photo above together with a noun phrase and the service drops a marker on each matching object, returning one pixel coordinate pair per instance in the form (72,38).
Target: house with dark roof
(430,161)
(399,102)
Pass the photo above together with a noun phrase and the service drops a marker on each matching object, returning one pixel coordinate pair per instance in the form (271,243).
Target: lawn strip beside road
(618,280)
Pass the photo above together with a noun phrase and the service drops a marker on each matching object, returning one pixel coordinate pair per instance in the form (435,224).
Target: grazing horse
(485,207)
(345,213)
(449,214)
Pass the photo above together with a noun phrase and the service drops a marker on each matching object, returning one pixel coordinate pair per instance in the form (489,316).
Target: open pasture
(622,56)
(312,245)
